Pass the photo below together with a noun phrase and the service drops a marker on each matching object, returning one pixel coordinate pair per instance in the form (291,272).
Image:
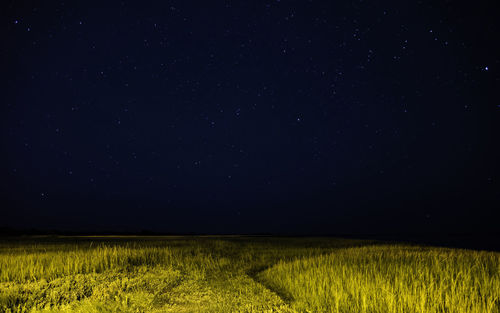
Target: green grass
(381,279)
(242,274)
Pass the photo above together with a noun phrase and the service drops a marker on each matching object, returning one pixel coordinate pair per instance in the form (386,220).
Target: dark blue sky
(250,116)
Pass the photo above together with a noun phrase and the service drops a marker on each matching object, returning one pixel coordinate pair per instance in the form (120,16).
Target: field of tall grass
(381,279)
(242,274)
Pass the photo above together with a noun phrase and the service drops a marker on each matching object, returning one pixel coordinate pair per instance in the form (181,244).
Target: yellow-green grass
(391,279)
(241,274)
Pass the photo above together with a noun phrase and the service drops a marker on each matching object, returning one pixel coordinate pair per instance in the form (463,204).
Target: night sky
(250,116)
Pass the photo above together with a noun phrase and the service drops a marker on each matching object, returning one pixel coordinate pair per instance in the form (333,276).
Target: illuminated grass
(241,274)
(389,279)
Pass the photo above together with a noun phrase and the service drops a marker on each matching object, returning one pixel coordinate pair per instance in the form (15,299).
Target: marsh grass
(391,279)
(242,274)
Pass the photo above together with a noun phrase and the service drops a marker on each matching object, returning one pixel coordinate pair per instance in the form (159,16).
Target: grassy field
(242,274)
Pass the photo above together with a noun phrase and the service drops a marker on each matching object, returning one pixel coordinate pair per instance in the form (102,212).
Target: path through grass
(241,274)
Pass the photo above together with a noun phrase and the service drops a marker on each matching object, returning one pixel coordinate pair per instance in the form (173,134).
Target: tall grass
(55,260)
(391,279)
(32,266)
(145,274)
(205,274)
